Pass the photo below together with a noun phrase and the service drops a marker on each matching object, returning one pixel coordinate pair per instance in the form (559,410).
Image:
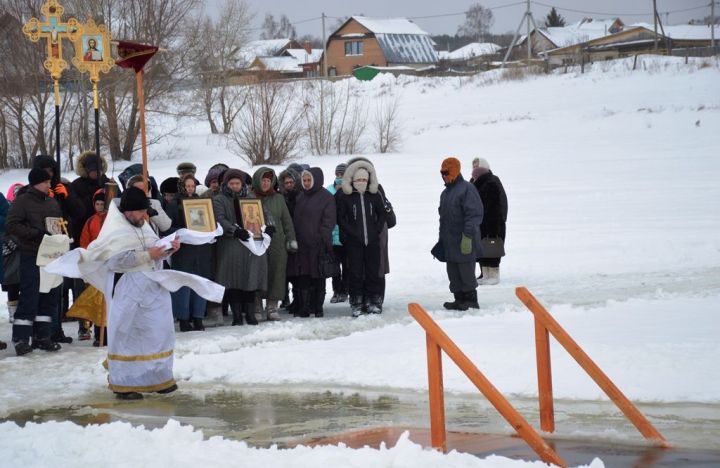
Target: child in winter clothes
(89,233)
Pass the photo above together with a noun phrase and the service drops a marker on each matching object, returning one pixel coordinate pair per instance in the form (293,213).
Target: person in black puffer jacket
(495,204)
(361,218)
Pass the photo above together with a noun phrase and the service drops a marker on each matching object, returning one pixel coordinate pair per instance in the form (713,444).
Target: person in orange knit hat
(461,212)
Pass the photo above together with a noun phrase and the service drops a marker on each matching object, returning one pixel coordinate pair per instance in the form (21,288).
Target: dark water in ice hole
(263,416)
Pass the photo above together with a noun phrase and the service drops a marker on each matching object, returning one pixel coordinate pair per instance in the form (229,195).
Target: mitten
(241,234)
(466,245)
(270,230)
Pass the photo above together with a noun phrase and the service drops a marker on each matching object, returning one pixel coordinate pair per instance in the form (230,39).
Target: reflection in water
(266,416)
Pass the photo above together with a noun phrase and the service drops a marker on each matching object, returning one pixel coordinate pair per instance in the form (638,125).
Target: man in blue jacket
(461,212)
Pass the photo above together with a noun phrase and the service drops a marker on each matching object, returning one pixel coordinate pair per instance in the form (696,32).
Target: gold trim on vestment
(146,389)
(145,357)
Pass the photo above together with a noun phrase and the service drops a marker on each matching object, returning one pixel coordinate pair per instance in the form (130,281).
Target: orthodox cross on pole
(92,56)
(54,30)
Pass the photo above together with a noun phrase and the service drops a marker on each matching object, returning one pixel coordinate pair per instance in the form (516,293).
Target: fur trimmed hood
(360,163)
(83,158)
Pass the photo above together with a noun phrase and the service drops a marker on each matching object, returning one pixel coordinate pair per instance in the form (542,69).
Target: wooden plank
(515,419)
(544,371)
(592,369)
(436,395)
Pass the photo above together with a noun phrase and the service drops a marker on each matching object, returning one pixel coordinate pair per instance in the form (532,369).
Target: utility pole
(655,47)
(325,73)
(527,16)
(712,25)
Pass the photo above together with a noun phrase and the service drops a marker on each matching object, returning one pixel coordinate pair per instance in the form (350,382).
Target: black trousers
(340,282)
(35,311)
(489,262)
(364,269)
(461,276)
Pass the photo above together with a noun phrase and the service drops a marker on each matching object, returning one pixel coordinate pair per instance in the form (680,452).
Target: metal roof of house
(303,57)
(401,40)
(260,48)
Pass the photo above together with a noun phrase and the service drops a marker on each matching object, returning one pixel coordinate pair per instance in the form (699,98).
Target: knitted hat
(98,195)
(91,163)
(452,166)
(234,174)
(340,169)
(133,199)
(38,176)
(186,167)
(169,185)
(213,174)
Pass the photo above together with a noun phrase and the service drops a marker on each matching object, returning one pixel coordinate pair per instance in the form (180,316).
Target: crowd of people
(307,226)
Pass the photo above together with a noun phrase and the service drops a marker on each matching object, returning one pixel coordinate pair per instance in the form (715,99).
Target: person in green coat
(265,187)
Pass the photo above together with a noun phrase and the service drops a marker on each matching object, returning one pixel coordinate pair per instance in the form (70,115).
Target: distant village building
(544,39)
(362,41)
(470,55)
(638,38)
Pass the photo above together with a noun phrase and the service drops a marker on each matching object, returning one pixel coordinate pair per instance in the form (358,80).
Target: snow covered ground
(612,179)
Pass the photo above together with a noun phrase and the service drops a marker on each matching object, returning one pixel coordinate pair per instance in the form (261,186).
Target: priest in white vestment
(125,262)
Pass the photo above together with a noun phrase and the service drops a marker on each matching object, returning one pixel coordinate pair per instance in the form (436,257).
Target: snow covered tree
(478,21)
(554,19)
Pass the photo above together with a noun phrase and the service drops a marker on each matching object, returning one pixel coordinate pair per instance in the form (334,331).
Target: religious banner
(92,50)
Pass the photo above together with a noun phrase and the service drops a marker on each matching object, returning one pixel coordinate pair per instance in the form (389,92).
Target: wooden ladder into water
(438,341)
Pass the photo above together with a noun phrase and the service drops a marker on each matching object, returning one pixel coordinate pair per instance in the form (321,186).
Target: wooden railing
(546,324)
(437,341)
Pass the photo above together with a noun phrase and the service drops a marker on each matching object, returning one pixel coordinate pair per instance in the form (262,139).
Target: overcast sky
(506,18)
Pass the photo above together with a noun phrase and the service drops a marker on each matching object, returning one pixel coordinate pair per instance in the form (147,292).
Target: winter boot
(22,348)
(375,305)
(491,276)
(198,324)
(237,313)
(214,314)
(60,337)
(471,300)
(258,309)
(249,312)
(342,297)
(46,344)
(318,301)
(483,274)
(356,306)
(3,345)
(128,396)
(335,298)
(303,304)
(271,309)
(458,303)
(12,307)
(185,325)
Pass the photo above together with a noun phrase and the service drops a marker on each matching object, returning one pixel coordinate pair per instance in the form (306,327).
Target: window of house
(353,48)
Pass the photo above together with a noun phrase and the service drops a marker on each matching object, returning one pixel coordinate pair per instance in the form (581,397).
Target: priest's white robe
(141,334)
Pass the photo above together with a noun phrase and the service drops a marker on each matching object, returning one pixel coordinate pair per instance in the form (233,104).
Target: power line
(605,13)
(463,13)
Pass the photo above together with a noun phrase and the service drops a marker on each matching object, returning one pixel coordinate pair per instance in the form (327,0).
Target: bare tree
(156,22)
(272,29)
(213,65)
(478,21)
(387,123)
(335,118)
(270,126)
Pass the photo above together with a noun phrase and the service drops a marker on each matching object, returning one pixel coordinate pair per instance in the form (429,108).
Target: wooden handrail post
(438,436)
(515,419)
(544,372)
(611,390)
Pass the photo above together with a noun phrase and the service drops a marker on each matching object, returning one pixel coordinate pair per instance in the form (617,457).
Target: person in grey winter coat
(314,219)
(361,217)
(461,213)
(265,188)
(495,205)
(238,269)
